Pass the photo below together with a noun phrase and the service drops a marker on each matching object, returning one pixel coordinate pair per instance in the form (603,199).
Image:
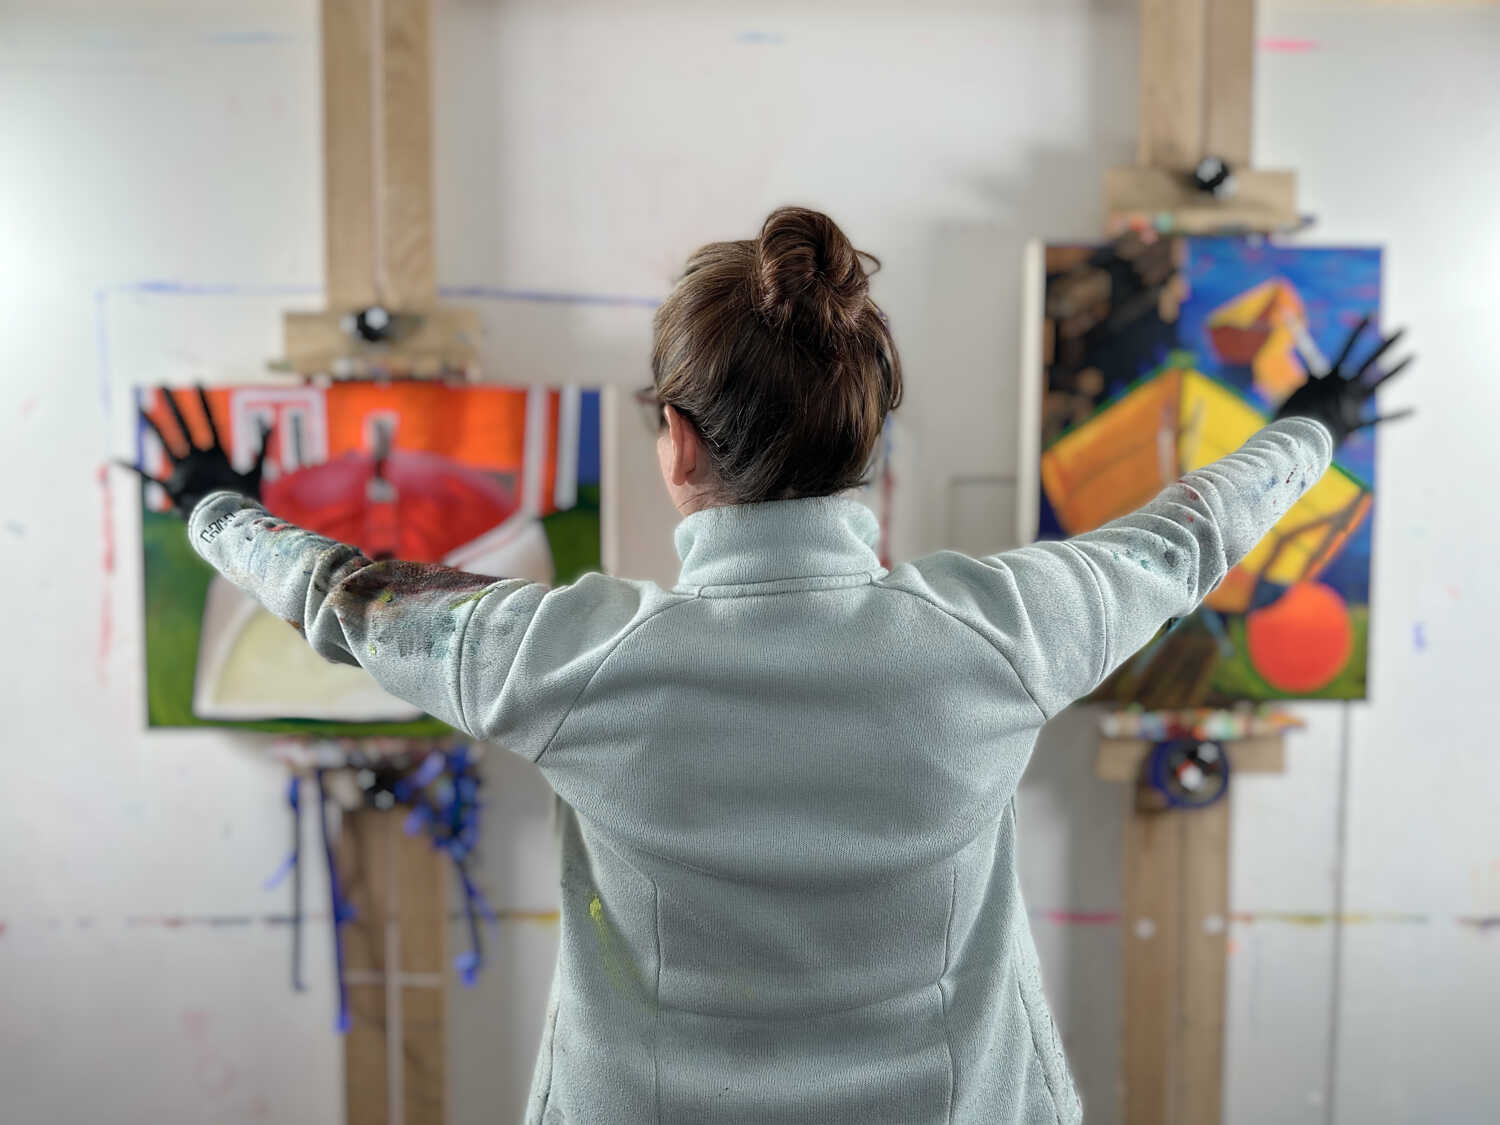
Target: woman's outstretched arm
(1067,613)
(500,659)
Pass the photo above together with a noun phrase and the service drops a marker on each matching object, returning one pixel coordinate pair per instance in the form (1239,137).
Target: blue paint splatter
(1419,636)
(541,296)
(217,289)
(761,38)
(246,38)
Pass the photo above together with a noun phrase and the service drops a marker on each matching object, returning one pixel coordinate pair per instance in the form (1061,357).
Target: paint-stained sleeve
(500,659)
(1066,614)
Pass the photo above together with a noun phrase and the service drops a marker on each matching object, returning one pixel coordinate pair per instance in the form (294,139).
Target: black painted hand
(200,470)
(1337,397)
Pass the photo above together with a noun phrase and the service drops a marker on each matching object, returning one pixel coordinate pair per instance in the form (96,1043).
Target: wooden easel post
(378,202)
(377,191)
(1197,60)
(1176,930)
(395,970)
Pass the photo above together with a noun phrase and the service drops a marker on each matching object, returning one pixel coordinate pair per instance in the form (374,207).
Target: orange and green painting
(496,480)
(1162,356)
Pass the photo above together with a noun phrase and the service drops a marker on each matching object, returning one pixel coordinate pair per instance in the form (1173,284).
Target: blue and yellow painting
(1163,355)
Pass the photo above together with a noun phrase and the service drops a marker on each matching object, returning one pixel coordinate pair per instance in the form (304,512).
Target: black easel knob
(1214,177)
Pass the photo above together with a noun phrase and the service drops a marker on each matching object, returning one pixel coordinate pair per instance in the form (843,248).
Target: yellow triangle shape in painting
(1216,422)
(1172,423)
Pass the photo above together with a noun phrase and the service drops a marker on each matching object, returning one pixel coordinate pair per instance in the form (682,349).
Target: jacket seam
(1036,1048)
(943,998)
(620,640)
(784,578)
(870,577)
(978,633)
(656,1022)
(1088,564)
(551,1057)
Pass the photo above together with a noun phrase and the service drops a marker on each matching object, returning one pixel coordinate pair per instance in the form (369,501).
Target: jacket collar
(776,540)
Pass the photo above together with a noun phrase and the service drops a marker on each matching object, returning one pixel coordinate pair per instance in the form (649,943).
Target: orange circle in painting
(1301,641)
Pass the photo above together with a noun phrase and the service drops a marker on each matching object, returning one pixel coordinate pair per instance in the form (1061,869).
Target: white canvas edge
(1029,392)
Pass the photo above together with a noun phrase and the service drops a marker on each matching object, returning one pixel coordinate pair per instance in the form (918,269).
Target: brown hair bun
(807,275)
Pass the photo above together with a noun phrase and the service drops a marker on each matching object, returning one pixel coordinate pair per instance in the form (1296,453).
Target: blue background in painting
(1338,286)
(588,438)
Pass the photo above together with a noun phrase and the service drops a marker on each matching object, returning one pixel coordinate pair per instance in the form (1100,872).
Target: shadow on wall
(1071,824)
(495,1027)
(972,289)
(1071,833)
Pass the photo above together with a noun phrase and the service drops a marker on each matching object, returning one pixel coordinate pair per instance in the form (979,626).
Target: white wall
(586,149)
(1408,153)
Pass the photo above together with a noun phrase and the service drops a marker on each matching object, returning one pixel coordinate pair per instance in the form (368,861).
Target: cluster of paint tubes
(442,792)
(1202,723)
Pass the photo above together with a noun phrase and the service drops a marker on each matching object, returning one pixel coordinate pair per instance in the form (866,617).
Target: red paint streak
(1290,46)
(173,922)
(28,406)
(1081,917)
(2,929)
(215,1075)
(107,538)
(109,523)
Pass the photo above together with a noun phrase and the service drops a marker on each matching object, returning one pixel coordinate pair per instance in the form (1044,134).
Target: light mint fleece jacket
(789,889)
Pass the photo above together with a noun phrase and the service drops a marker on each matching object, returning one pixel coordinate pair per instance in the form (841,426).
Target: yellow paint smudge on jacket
(616,959)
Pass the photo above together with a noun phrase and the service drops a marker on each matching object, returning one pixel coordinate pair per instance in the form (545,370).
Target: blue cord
(342,912)
(293,798)
(444,794)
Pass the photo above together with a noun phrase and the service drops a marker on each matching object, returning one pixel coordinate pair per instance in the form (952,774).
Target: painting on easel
(1160,355)
(495,480)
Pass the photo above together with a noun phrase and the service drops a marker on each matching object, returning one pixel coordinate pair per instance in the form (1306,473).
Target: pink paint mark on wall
(1290,46)
(214,1074)
(28,406)
(107,538)
(1080,917)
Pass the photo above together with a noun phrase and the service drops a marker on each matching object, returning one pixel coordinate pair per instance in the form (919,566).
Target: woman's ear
(683,447)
